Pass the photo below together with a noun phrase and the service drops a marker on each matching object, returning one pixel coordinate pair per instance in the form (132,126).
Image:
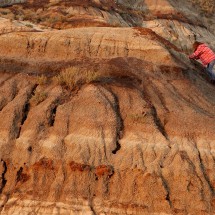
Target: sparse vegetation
(42,80)
(4,12)
(73,77)
(207,6)
(90,76)
(38,97)
(68,77)
(138,118)
(29,25)
(28,15)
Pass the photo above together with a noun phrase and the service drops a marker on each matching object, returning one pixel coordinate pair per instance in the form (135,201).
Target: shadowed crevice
(92,209)
(53,115)
(158,123)
(118,147)
(4,181)
(26,110)
(25,113)
(167,190)
(204,173)
(116,109)
(120,123)
(18,174)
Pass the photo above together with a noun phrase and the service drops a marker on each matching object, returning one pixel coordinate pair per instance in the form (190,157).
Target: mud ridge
(204,173)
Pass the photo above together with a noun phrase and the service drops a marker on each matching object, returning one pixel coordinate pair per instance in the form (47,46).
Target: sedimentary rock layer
(136,138)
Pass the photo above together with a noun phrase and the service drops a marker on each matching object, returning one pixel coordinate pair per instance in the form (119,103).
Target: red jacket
(204,53)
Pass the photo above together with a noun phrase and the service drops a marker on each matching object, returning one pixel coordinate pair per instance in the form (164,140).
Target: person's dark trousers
(210,70)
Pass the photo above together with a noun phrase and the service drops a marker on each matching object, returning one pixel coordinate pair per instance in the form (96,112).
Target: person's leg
(210,71)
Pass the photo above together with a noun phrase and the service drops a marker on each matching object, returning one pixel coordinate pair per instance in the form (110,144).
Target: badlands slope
(137,139)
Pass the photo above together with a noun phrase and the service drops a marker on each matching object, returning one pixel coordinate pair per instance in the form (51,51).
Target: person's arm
(196,54)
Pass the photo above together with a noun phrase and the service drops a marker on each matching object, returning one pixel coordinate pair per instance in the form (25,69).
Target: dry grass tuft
(29,25)
(42,80)
(90,76)
(206,6)
(73,77)
(138,118)
(38,98)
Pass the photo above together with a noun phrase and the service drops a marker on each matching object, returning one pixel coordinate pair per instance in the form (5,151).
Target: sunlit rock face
(102,112)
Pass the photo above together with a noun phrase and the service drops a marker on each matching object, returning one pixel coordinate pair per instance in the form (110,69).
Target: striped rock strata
(137,139)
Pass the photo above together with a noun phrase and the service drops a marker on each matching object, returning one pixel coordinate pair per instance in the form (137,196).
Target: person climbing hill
(206,56)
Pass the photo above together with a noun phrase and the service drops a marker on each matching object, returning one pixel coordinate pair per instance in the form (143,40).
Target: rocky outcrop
(77,44)
(110,148)
(138,138)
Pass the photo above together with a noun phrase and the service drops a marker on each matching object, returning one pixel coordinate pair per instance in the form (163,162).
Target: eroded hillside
(107,115)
